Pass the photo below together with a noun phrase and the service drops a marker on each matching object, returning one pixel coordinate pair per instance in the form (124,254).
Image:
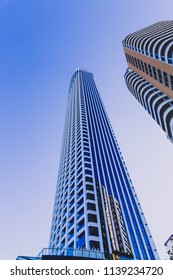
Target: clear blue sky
(42,42)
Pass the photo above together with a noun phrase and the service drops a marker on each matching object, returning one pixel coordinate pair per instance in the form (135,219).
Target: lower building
(169,247)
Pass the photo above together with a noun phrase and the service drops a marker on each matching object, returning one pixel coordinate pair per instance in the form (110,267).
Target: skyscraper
(96,212)
(149,77)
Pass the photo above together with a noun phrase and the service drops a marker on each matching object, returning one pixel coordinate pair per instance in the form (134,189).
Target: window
(170,60)
(89,179)
(93,231)
(80,213)
(79,178)
(71,212)
(150,70)
(92,218)
(142,66)
(139,64)
(89,172)
(85,135)
(79,171)
(79,153)
(80,225)
(155,73)
(160,76)
(86,144)
(81,240)
(71,222)
(71,234)
(71,203)
(88,165)
(171,78)
(165,75)
(79,185)
(80,193)
(86,159)
(79,158)
(136,63)
(89,187)
(146,68)
(85,139)
(79,164)
(91,206)
(94,245)
(90,196)
(80,202)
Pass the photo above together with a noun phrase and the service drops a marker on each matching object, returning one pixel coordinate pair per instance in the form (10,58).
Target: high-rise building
(96,212)
(149,77)
(169,247)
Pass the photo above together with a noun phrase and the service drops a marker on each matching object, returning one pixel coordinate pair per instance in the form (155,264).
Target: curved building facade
(96,212)
(149,54)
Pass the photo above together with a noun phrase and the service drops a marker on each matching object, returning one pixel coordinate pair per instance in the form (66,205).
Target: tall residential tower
(149,77)
(96,213)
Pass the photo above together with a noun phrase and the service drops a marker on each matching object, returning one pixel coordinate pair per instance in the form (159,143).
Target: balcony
(53,253)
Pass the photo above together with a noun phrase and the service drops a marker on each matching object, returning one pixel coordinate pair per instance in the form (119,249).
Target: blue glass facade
(96,207)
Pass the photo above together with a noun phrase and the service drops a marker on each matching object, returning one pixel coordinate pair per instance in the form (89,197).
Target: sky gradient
(42,42)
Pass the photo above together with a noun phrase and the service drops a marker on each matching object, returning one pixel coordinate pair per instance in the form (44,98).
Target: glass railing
(83,253)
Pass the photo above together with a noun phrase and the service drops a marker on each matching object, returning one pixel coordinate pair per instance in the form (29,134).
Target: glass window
(86,154)
(80,202)
(94,245)
(142,66)
(93,231)
(81,240)
(170,60)
(79,185)
(79,164)
(71,223)
(165,75)
(91,206)
(88,172)
(139,64)
(80,224)
(86,144)
(92,218)
(79,171)
(80,193)
(136,63)
(71,234)
(89,179)
(89,187)
(79,178)
(171,78)
(80,213)
(150,70)
(90,196)
(146,68)
(155,73)
(87,159)
(160,75)
(88,165)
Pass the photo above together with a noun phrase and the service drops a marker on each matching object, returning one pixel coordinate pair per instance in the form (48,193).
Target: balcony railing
(82,253)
